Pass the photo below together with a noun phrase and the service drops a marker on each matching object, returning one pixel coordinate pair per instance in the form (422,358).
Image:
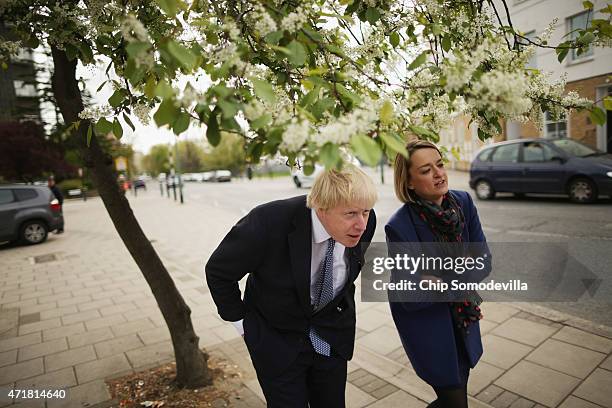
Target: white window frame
(572,54)
(548,121)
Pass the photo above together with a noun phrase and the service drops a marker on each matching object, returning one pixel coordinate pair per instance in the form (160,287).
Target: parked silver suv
(28,213)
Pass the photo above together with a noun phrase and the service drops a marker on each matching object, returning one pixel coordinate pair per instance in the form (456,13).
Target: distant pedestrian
(58,196)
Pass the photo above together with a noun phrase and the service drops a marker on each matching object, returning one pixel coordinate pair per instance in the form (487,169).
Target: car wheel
(484,190)
(33,232)
(297,182)
(582,191)
(519,195)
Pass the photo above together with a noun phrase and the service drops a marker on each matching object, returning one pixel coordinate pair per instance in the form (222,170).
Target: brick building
(589,74)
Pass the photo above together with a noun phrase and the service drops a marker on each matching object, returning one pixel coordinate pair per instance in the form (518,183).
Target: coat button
(339,309)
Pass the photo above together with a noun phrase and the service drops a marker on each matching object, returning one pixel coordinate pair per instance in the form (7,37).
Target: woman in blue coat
(442,339)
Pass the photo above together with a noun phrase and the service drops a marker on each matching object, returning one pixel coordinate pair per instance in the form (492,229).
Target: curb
(563,318)
(400,375)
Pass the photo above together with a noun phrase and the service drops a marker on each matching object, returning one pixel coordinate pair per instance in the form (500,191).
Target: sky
(144,137)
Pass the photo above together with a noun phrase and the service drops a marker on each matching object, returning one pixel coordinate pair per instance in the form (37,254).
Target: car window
(485,155)
(537,152)
(25,194)
(6,196)
(575,148)
(506,153)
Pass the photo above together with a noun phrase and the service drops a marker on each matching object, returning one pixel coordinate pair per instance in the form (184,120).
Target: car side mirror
(559,159)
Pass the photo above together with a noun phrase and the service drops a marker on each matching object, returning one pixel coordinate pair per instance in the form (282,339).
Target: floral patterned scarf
(447,222)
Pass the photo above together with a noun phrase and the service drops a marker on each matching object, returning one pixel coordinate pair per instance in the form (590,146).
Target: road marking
(539,234)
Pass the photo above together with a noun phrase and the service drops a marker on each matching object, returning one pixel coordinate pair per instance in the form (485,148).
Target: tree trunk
(191,363)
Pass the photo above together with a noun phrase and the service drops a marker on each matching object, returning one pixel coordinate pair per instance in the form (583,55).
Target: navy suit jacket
(426,328)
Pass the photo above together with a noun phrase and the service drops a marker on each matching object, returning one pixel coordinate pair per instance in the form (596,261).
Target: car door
(8,208)
(543,168)
(504,168)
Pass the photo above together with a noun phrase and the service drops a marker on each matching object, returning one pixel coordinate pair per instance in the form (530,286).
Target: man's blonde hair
(348,186)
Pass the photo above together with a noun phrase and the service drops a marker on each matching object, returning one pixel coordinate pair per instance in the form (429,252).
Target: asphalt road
(585,230)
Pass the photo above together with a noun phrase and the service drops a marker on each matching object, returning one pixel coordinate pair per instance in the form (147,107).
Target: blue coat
(426,328)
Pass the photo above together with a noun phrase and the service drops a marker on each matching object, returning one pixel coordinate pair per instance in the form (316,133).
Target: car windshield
(574,148)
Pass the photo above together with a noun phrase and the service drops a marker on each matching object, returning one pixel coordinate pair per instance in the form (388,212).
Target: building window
(533,61)
(579,21)
(554,129)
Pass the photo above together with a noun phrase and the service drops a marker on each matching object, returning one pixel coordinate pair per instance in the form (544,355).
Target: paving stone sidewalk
(76,311)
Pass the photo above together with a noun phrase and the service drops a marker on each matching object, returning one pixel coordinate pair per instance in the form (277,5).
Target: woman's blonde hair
(342,187)
(401,169)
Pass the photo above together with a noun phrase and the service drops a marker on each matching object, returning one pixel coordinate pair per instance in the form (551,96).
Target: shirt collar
(319,233)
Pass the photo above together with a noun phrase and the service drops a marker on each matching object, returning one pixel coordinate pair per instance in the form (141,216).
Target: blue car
(543,166)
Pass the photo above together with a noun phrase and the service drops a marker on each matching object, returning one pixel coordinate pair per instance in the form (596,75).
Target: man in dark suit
(298,313)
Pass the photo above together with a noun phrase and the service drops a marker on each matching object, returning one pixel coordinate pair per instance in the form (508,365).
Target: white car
(223,175)
(303,181)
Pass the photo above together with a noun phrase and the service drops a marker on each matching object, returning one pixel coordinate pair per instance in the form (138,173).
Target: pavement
(76,310)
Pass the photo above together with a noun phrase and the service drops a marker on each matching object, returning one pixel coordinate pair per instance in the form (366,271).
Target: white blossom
(263,23)
(359,121)
(503,92)
(133,30)
(94,113)
(143,113)
(295,20)
(296,135)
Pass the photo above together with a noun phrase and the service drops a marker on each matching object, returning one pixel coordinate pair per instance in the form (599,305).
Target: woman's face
(427,175)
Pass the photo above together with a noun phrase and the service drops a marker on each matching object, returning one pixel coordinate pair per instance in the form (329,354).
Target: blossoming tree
(310,80)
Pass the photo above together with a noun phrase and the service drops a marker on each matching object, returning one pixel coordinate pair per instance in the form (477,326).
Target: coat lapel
(300,248)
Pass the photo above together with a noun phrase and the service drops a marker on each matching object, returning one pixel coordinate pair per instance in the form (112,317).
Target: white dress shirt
(318,249)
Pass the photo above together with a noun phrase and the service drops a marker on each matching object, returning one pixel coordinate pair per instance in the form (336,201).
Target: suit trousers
(312,380)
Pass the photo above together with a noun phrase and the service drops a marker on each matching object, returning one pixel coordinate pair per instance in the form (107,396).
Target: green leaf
(116,98)
(587,5)
(586,38)
(308,169)
(321,106)
(418,61)
(166,113)
(104,127)
(163,90)
(446,43)
(353,97)
(297,53)
(436,29)
(562,53)
(426,133)
(394,39)
(86,52)
(89,134)
(273,37)
(395,143)
(170,7)
(598,116)
(329,155)
(182,55)
(372,15)
(228,107)
(129,122)
(607,103)
(386,112)
(310,97)
(261,121)
(366,149)
(212,130)
(134,49)
(181,123)
(264,90)
(313,34)
(101,86)
(32,42)
(117,129)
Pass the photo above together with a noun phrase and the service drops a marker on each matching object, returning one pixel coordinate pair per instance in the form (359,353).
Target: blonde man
(297,317)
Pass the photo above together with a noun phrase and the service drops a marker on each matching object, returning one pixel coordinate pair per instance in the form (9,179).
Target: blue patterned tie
(323,295)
